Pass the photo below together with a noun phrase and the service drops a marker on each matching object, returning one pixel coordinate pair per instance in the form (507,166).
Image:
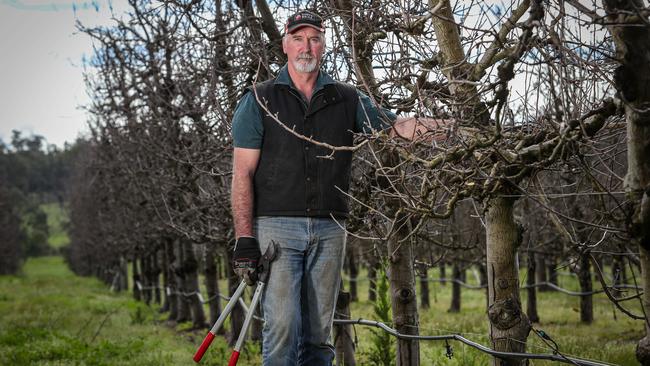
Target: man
(283,191)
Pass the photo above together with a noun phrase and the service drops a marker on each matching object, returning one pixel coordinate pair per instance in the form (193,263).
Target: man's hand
(245,258)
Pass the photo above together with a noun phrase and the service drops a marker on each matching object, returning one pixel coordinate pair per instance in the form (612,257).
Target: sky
(41,74)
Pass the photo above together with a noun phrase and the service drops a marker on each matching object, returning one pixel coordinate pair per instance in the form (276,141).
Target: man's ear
(284,41)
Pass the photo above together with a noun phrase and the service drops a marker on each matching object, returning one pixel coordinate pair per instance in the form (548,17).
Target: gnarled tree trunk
(403,297)
(631,32)
(509,325)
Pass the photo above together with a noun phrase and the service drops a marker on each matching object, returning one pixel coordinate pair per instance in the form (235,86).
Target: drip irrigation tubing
(478,346)
(446,337)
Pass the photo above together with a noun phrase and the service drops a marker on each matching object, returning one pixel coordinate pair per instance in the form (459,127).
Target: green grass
(611,338)
(48,316)
(57,219)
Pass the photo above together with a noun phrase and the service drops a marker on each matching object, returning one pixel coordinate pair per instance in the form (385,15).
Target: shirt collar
(322,80)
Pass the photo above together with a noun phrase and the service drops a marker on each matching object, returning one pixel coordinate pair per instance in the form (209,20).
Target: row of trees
(30,174)
(547,160)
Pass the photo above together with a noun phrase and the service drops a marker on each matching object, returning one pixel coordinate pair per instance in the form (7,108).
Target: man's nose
(304,46)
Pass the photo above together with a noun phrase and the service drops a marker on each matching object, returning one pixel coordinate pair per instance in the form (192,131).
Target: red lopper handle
(204,347)
(233,358)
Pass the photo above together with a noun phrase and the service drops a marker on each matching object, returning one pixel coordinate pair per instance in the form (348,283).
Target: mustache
(305,56)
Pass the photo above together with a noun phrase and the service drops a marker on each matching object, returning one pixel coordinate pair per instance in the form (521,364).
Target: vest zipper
(305,107)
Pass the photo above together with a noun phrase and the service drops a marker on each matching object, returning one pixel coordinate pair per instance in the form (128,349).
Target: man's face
(304,49)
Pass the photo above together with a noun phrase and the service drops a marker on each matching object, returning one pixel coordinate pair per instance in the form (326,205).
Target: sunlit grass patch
(57,220)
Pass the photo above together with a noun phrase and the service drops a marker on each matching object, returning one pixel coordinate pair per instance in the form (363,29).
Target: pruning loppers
(262,273)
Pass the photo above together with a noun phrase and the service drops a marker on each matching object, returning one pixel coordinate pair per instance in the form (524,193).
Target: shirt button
(306,147)
(308,179)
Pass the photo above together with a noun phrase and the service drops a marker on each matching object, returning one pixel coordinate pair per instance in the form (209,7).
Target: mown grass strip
(49,316)
(57,220)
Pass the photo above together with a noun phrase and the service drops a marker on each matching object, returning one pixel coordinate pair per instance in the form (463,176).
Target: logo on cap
(304,18)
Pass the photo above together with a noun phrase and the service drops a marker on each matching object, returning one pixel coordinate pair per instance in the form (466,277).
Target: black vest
(291,179)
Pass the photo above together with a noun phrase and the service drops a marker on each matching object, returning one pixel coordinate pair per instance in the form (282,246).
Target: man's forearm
(242,204)
(415,128)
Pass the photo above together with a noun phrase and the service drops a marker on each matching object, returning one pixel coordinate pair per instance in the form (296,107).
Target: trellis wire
(540,284)
(457,337)
(478,346)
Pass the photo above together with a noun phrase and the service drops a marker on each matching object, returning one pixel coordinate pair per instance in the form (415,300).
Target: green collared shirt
(248,130)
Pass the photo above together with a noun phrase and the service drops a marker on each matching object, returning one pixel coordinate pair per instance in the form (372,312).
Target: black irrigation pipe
(478,346)
(456,337)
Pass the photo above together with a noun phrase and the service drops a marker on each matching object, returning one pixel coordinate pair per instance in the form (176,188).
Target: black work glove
(245,258)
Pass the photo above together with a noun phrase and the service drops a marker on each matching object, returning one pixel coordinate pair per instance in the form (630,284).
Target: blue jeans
(299,299)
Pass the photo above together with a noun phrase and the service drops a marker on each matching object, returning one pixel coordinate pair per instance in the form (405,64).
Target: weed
(138,316)
(382,351)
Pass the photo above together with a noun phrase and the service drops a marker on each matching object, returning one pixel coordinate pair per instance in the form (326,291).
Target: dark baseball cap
(304,18)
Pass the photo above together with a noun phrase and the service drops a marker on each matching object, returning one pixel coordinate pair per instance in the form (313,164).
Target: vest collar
(283,78)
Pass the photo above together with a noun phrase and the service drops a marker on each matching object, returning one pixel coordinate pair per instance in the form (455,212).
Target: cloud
(54,6)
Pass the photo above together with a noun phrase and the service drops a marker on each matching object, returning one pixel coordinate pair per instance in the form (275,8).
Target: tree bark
(136,280)
(169,279)
(191,276)
(531,291)
(403,296)
(124,274)
(354,272)
(551,266)
(586,285)
(540,272)
(211,283)
(424,286)
(184,312)
(509,326)
(372,279)
(616,275)
(631,34)
(343,341)
(455,289)
(155,276)
(145,276)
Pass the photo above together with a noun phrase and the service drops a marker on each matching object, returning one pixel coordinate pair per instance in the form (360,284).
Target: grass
(51,317)
(611,338)
(57,219)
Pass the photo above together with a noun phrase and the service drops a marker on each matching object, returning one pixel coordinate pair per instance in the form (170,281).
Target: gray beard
(306,68)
